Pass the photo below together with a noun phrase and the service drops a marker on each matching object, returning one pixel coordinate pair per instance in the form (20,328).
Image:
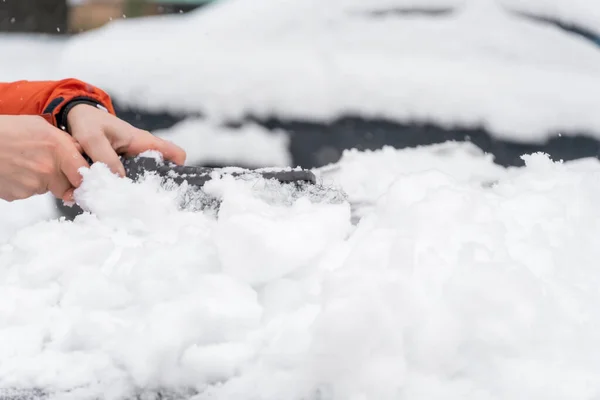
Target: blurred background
(73,16)
(258,83)
(330,76)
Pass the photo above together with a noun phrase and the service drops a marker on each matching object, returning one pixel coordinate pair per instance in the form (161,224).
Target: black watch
(61,117)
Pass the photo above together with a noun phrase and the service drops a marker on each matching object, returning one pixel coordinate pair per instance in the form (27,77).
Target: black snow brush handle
(135,167)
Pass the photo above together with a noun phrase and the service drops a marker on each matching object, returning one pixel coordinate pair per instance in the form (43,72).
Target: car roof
(479,64)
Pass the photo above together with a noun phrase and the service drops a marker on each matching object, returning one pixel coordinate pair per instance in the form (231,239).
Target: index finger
(146,141)
(99,149)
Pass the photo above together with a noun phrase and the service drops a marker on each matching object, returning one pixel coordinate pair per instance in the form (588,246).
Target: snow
(207,143)
(19,214)
(443,275)
(30,57)
(581,13)
(367,175)
(522,80)
(479,66)
(462,280)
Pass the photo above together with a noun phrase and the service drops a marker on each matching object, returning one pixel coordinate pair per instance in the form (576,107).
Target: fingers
(104,137)
(70,162)
(99,148)
(61,188)
(66,176)
(143,141)
(76,144)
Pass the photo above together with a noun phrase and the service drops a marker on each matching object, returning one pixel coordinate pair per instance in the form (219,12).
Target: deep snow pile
(450,286)
(20,214)
(367,175)
(477,66)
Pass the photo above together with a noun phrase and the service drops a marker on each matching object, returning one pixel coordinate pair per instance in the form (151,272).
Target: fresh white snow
(206,142)
(20,214)
(367,175)
(462,280)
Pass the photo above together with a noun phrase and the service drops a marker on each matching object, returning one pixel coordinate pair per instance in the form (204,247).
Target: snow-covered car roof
(479,65)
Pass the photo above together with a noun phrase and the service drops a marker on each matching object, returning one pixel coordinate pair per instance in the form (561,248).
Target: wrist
(62,117)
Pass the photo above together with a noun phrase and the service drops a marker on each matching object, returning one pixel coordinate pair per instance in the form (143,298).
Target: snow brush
(281,186)
(277,186)
(197,177)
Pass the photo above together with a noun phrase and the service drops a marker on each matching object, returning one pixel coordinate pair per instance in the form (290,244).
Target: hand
(104,137)
(36,157)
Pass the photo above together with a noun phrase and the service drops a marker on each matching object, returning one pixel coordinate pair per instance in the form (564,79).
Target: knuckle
(40,189)
(58,189)
(27,188)
(40,173)
(141,133)
(37,186)
(19,195)
(50,144)
(44,168)
(88,139)
(10,197)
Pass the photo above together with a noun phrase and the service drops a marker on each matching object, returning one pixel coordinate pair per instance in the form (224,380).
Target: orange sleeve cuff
(48,98)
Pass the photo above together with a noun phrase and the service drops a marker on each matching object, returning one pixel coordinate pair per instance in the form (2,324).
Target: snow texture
(462,280)
(480,65)
(19,214)
(208,143)
(366,176)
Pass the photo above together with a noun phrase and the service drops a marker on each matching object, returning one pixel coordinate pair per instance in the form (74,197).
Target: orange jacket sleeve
(50,99)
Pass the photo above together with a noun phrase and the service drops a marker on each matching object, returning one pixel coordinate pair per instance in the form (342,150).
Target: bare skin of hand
(36,158)
(104,137)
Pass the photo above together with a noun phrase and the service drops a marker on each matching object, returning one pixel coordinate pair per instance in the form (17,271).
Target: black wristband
(61,117)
